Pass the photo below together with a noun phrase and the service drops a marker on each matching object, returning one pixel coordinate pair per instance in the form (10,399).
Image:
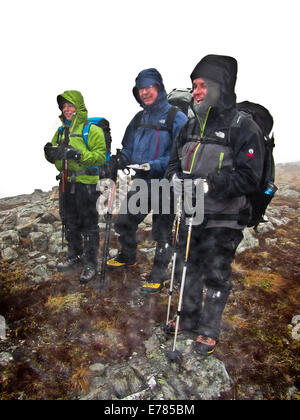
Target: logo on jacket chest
(220,134)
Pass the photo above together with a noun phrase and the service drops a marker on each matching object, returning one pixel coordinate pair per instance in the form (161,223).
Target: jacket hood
(222,70)
(75,98)
(149,77)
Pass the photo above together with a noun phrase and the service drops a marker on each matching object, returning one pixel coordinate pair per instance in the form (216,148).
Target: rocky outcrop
(155,377)
(30,234)
(32,223)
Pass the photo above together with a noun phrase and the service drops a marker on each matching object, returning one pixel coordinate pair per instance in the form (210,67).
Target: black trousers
(211,253)
(127,224)
(79,212)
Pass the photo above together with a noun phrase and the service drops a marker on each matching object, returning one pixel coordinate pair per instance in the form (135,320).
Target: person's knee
(121,225)
(218,279)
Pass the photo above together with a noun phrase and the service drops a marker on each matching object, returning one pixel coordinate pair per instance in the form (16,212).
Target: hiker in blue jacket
(147,143)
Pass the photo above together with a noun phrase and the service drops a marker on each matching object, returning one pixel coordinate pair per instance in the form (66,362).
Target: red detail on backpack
(251,153)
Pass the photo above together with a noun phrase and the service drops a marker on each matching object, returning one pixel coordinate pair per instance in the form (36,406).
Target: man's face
(199,91)
(148,94)
(68,110)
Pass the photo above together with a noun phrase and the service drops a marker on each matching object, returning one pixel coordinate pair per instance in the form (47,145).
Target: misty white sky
(98,47)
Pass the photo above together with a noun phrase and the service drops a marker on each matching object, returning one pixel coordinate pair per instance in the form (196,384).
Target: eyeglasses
(146,88)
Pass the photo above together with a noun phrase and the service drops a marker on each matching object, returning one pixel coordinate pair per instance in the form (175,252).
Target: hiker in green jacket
(79,174)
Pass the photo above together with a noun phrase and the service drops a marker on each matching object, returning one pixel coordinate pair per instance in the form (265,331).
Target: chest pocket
(212,152)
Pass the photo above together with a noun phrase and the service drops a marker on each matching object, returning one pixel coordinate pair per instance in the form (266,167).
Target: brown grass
(58,328)
(80,379)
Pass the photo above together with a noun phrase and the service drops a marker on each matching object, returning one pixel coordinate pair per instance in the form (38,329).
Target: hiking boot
(170,328)
(152,287)
(87,274)
(120,262)
(205,345)
(70,263)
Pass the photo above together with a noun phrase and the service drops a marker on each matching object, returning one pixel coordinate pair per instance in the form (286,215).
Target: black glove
(53,153)
(117,162)
(112,172)
(105,171)
(121,162)
(71,154)
(218,183)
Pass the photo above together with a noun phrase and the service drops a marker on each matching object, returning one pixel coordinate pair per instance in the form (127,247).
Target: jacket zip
(220,162)
(202,129)
(189,155)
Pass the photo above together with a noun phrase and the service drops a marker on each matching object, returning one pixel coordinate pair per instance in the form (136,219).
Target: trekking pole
(108,217)
(174,257)
(174,354)
(63,190)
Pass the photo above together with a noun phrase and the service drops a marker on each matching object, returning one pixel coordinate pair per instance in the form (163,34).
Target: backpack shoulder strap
(87,126)
(60,131)
(171,117)
(60,134)
(85,132)
(169,121)
(138,119)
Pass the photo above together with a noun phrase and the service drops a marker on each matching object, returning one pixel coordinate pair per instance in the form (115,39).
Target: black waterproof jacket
(229,153)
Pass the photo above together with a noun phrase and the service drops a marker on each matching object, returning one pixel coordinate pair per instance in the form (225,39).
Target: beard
(211,99)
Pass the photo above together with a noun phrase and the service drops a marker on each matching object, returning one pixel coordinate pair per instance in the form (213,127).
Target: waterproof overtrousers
(127,225)
(208,281)
(79,212)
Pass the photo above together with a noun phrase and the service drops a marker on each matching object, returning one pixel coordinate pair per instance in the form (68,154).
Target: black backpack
(182,98)
(263,196)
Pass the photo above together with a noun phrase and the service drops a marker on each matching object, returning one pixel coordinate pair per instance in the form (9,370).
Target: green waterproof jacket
(95,154)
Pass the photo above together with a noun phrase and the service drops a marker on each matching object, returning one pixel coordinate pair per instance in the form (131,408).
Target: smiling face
(68,110)
(199,91)
(148,94)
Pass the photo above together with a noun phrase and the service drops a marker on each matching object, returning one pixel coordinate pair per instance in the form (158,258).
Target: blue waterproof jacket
(151,145)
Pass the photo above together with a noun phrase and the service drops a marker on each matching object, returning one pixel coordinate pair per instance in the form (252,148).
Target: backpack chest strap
(169,121)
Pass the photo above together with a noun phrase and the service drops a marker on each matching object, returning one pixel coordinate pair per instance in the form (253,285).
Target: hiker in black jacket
(225,149)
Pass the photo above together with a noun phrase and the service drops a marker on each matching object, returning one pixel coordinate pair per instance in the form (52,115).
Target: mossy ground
(57,328)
